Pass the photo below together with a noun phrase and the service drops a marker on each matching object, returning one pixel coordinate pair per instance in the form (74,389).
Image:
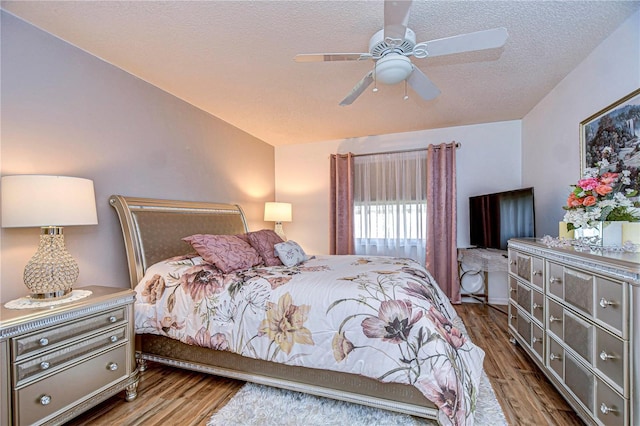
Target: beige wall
(66,112)
(551,130)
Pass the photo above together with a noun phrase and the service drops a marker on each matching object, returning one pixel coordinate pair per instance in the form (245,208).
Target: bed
(327,359)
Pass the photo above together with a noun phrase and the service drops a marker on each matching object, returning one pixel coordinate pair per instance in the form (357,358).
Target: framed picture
(614,134)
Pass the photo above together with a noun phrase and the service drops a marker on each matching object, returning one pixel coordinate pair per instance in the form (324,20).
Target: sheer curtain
(389,204)
(442,250)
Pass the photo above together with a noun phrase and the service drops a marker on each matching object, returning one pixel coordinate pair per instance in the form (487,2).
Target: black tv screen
(495,218)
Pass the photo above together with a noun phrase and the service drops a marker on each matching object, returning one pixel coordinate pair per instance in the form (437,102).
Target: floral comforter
(379,317)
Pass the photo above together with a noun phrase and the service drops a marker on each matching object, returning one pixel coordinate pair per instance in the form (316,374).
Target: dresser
(59,361)
(575,314)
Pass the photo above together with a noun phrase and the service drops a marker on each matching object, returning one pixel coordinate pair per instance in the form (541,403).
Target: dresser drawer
(46,363)
(521,266)
(41,400)
(524,327)
(513,316)
(42,340)
(611,305)
(555,275)
(555,357)
(537,272)
(537,341)
(537,306)
(575,288)
(611,360)
(555,312)
(610,407)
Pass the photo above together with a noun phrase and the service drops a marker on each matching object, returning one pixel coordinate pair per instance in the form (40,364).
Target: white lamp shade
(39,200)
(277,212)
(393,68)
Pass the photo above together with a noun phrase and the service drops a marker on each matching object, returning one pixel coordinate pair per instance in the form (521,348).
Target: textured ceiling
(234,59)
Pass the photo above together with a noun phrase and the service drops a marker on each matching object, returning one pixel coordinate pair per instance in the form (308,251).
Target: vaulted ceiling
(234,59)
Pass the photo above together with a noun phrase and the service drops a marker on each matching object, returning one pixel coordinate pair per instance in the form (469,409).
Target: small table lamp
(49,202)
(278,213)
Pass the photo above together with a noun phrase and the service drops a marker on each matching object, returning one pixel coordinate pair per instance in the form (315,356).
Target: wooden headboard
(153,229)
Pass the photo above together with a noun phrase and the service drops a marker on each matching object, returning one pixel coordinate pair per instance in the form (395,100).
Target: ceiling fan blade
(421,84)
(396,18)
(358,89)
(480,40)
(327,57)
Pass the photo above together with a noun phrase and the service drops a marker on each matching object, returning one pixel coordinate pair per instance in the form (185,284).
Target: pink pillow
(228,252)
(263,241)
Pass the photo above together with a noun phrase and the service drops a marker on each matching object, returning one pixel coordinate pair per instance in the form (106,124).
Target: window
(390,204)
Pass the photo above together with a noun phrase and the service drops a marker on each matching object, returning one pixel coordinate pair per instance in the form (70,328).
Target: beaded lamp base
(52,271)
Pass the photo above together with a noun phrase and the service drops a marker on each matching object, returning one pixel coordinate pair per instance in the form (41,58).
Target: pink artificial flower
(588,183)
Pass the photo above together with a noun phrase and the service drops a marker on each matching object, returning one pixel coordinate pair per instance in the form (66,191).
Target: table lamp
(278,213)
(49,202)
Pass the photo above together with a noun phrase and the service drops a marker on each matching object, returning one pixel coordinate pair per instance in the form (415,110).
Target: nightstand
(59,361)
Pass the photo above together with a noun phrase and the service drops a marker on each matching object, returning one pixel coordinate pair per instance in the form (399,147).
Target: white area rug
(264,405)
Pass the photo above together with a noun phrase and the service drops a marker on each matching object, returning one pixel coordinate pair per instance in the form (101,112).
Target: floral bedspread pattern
(380,317)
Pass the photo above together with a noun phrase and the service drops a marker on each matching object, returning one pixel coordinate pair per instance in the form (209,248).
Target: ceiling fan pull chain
(375,77)
(406,96)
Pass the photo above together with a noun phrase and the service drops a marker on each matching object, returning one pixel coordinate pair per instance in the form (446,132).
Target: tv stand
(481,260)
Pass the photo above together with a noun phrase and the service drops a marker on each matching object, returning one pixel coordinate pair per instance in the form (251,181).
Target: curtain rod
(458,145)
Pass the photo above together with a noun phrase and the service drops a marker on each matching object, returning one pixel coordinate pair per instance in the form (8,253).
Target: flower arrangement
(601,195)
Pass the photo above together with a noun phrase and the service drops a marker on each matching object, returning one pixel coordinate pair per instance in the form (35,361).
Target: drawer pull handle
(604,303)
(113,339)
(44,365)
(513,262)
(535,340)
(112,318)
(512,316)
(44,341)
(554,357)
(554,319)
(553,280)
(537,273)
(536,306)
(512,290)
(605,356)
(112,366)
(606,410)
(46,400)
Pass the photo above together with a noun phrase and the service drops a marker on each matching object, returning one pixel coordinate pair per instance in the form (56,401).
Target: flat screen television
(495,218)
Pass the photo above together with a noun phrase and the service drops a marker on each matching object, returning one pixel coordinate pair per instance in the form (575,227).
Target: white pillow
(290,253)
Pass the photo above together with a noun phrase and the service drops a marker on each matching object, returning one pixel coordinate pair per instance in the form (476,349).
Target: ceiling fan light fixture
(393,68)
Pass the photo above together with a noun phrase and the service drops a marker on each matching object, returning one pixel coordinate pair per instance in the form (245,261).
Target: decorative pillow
(263,241)
(290,253)
(228,252)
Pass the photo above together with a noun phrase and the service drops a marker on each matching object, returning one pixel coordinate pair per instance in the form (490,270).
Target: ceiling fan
(391,47)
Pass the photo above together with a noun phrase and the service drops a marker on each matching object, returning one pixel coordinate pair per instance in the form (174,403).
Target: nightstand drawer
(49,362)
(56,336)
(41,400)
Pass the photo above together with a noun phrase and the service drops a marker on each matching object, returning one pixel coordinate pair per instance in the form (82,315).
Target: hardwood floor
(169,396)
